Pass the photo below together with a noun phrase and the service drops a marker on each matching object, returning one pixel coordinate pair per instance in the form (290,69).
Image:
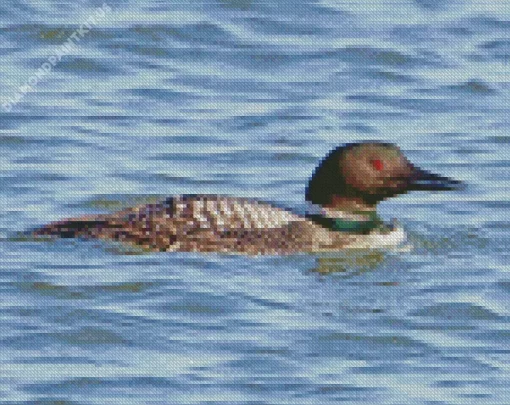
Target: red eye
(378,164)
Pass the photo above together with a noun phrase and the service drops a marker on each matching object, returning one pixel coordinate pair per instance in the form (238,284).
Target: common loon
(345,188)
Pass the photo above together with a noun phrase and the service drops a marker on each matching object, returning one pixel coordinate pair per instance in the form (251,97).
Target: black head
(369,172)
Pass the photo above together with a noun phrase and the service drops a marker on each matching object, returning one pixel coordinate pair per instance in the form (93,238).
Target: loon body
(346,187)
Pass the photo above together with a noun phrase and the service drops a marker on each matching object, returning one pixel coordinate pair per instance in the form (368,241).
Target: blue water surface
(243,97)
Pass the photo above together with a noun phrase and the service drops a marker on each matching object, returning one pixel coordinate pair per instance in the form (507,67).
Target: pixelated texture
(203,202)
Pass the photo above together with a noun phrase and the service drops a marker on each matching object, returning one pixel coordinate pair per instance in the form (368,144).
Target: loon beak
(425,180)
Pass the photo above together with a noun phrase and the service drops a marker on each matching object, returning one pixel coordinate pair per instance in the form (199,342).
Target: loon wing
(219,213)
(209,223)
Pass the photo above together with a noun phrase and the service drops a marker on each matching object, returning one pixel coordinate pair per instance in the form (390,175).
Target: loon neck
(348,215)
(360,222)
(344,204)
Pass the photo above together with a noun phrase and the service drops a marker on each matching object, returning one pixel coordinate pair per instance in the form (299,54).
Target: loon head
(357,176)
